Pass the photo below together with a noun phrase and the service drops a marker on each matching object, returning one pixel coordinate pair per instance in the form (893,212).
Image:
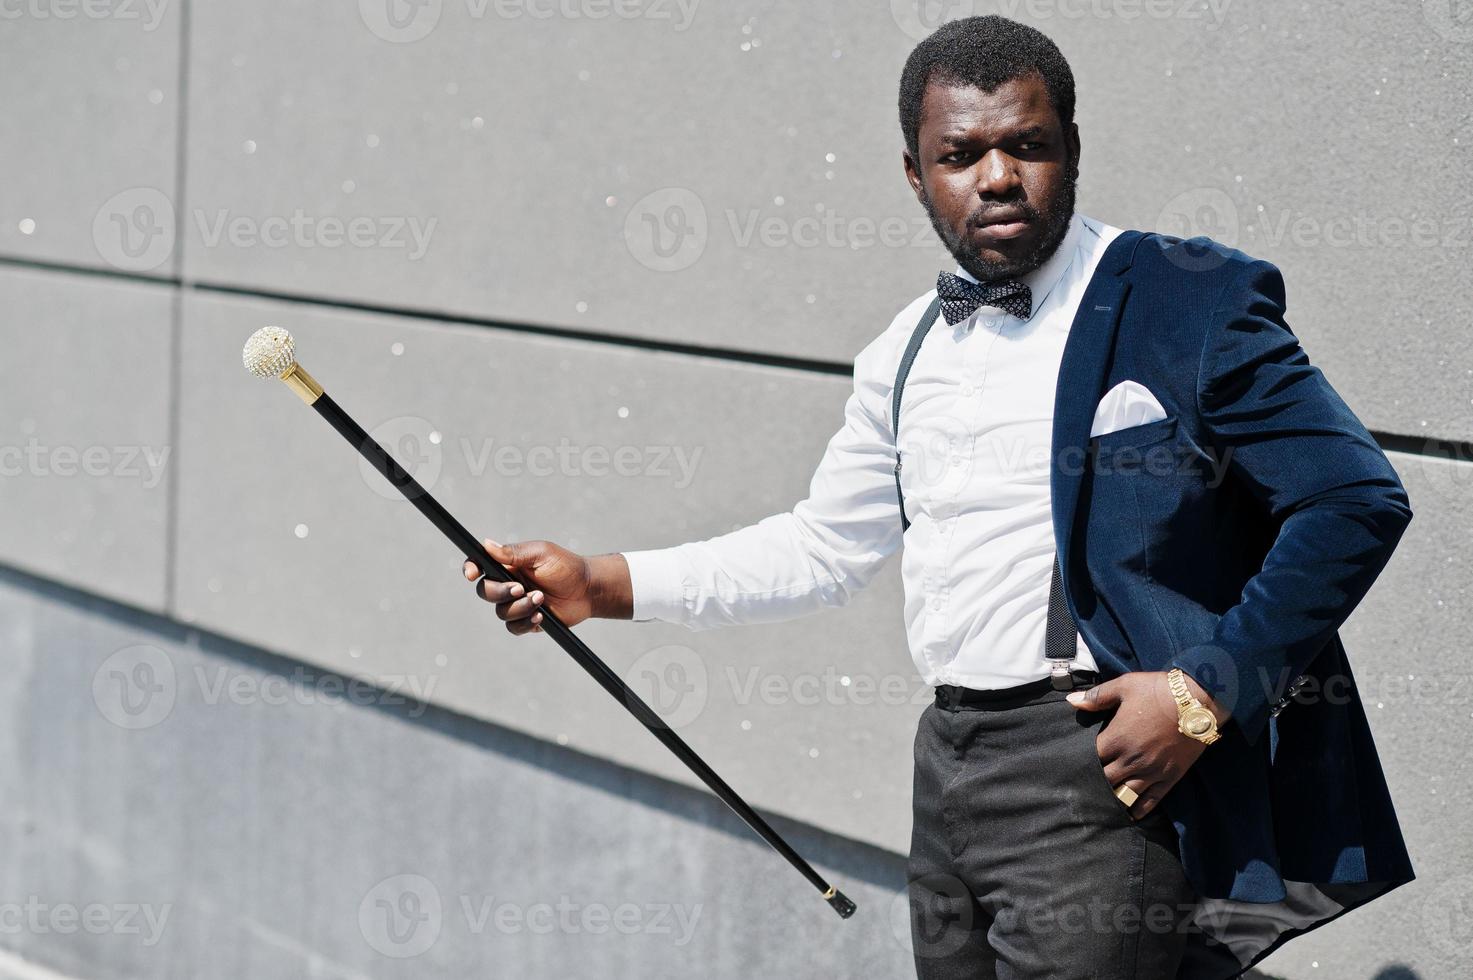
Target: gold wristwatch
(1192,717)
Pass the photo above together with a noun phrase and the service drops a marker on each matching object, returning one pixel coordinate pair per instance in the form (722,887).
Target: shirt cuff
(657,587)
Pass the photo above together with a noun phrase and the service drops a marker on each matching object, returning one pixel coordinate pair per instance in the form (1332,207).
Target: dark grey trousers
(1023,864)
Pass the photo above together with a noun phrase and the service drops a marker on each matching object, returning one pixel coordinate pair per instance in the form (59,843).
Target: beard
(1054,222)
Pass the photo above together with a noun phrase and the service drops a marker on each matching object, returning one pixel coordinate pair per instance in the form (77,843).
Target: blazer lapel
(1081,382)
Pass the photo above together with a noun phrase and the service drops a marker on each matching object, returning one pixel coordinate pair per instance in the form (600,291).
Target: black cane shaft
(472,548)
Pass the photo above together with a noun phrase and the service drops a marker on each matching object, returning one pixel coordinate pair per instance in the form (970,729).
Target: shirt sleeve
(819,554)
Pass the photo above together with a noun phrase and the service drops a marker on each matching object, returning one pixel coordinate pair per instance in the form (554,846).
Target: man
(1134,517)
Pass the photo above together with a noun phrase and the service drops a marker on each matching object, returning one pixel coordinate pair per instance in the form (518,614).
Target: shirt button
(936,603)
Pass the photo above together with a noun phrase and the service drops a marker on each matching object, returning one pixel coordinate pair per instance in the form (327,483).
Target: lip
(1002,230)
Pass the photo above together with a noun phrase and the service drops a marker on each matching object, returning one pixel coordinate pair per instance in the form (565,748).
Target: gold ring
(1126,795)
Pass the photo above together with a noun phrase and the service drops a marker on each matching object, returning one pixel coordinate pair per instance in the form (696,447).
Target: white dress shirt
(976,428)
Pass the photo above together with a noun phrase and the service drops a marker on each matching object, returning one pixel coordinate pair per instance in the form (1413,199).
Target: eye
(1030,146)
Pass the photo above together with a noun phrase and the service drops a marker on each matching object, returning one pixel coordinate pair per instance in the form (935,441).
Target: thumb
(1101,697)
(507,554)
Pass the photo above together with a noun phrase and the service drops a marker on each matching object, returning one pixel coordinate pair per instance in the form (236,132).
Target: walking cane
(271,352)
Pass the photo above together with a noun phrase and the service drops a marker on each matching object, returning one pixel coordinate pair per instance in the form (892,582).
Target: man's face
(996,174)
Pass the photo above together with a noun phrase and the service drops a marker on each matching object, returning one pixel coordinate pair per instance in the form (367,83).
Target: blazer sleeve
(1289,438)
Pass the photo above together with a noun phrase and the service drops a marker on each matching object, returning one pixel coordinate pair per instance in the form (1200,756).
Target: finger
(499,592)
(1149,798)
(521,627)
(1140,786)
(1117,768)
(524,608)
(1098,698)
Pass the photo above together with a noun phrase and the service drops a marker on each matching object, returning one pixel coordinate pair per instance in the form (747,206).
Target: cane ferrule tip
(840,902)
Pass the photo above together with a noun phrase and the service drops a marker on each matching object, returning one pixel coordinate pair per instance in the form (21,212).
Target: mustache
(1013,212)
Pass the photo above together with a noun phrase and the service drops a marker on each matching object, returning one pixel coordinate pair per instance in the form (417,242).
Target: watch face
(1197,721)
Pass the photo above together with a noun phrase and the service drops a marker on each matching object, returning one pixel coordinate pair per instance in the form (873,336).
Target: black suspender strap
(916,339)
(1060,632)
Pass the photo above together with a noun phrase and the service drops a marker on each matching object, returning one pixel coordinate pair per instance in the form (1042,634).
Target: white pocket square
(1128,403)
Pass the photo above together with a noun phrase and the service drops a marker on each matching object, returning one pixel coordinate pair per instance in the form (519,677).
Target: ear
(1071,140)
(913,176)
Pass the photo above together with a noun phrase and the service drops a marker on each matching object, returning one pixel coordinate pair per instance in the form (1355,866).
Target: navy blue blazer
(1231,539)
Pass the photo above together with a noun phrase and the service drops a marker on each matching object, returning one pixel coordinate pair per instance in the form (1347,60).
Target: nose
(997,175)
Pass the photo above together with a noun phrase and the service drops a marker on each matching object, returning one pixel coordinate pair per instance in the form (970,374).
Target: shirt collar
(1041,281)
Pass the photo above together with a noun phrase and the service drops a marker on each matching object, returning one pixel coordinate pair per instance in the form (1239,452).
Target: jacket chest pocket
(1150,509)
(1126,470)
(1136,437)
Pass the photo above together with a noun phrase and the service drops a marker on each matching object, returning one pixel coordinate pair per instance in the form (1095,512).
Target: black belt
(952,696)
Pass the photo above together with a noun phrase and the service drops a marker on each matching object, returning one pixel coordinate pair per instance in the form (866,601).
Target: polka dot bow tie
(961,297)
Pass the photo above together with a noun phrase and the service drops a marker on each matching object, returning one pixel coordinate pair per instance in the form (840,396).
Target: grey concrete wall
(519,248)
(89,140)
(245,816)
(86,439)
